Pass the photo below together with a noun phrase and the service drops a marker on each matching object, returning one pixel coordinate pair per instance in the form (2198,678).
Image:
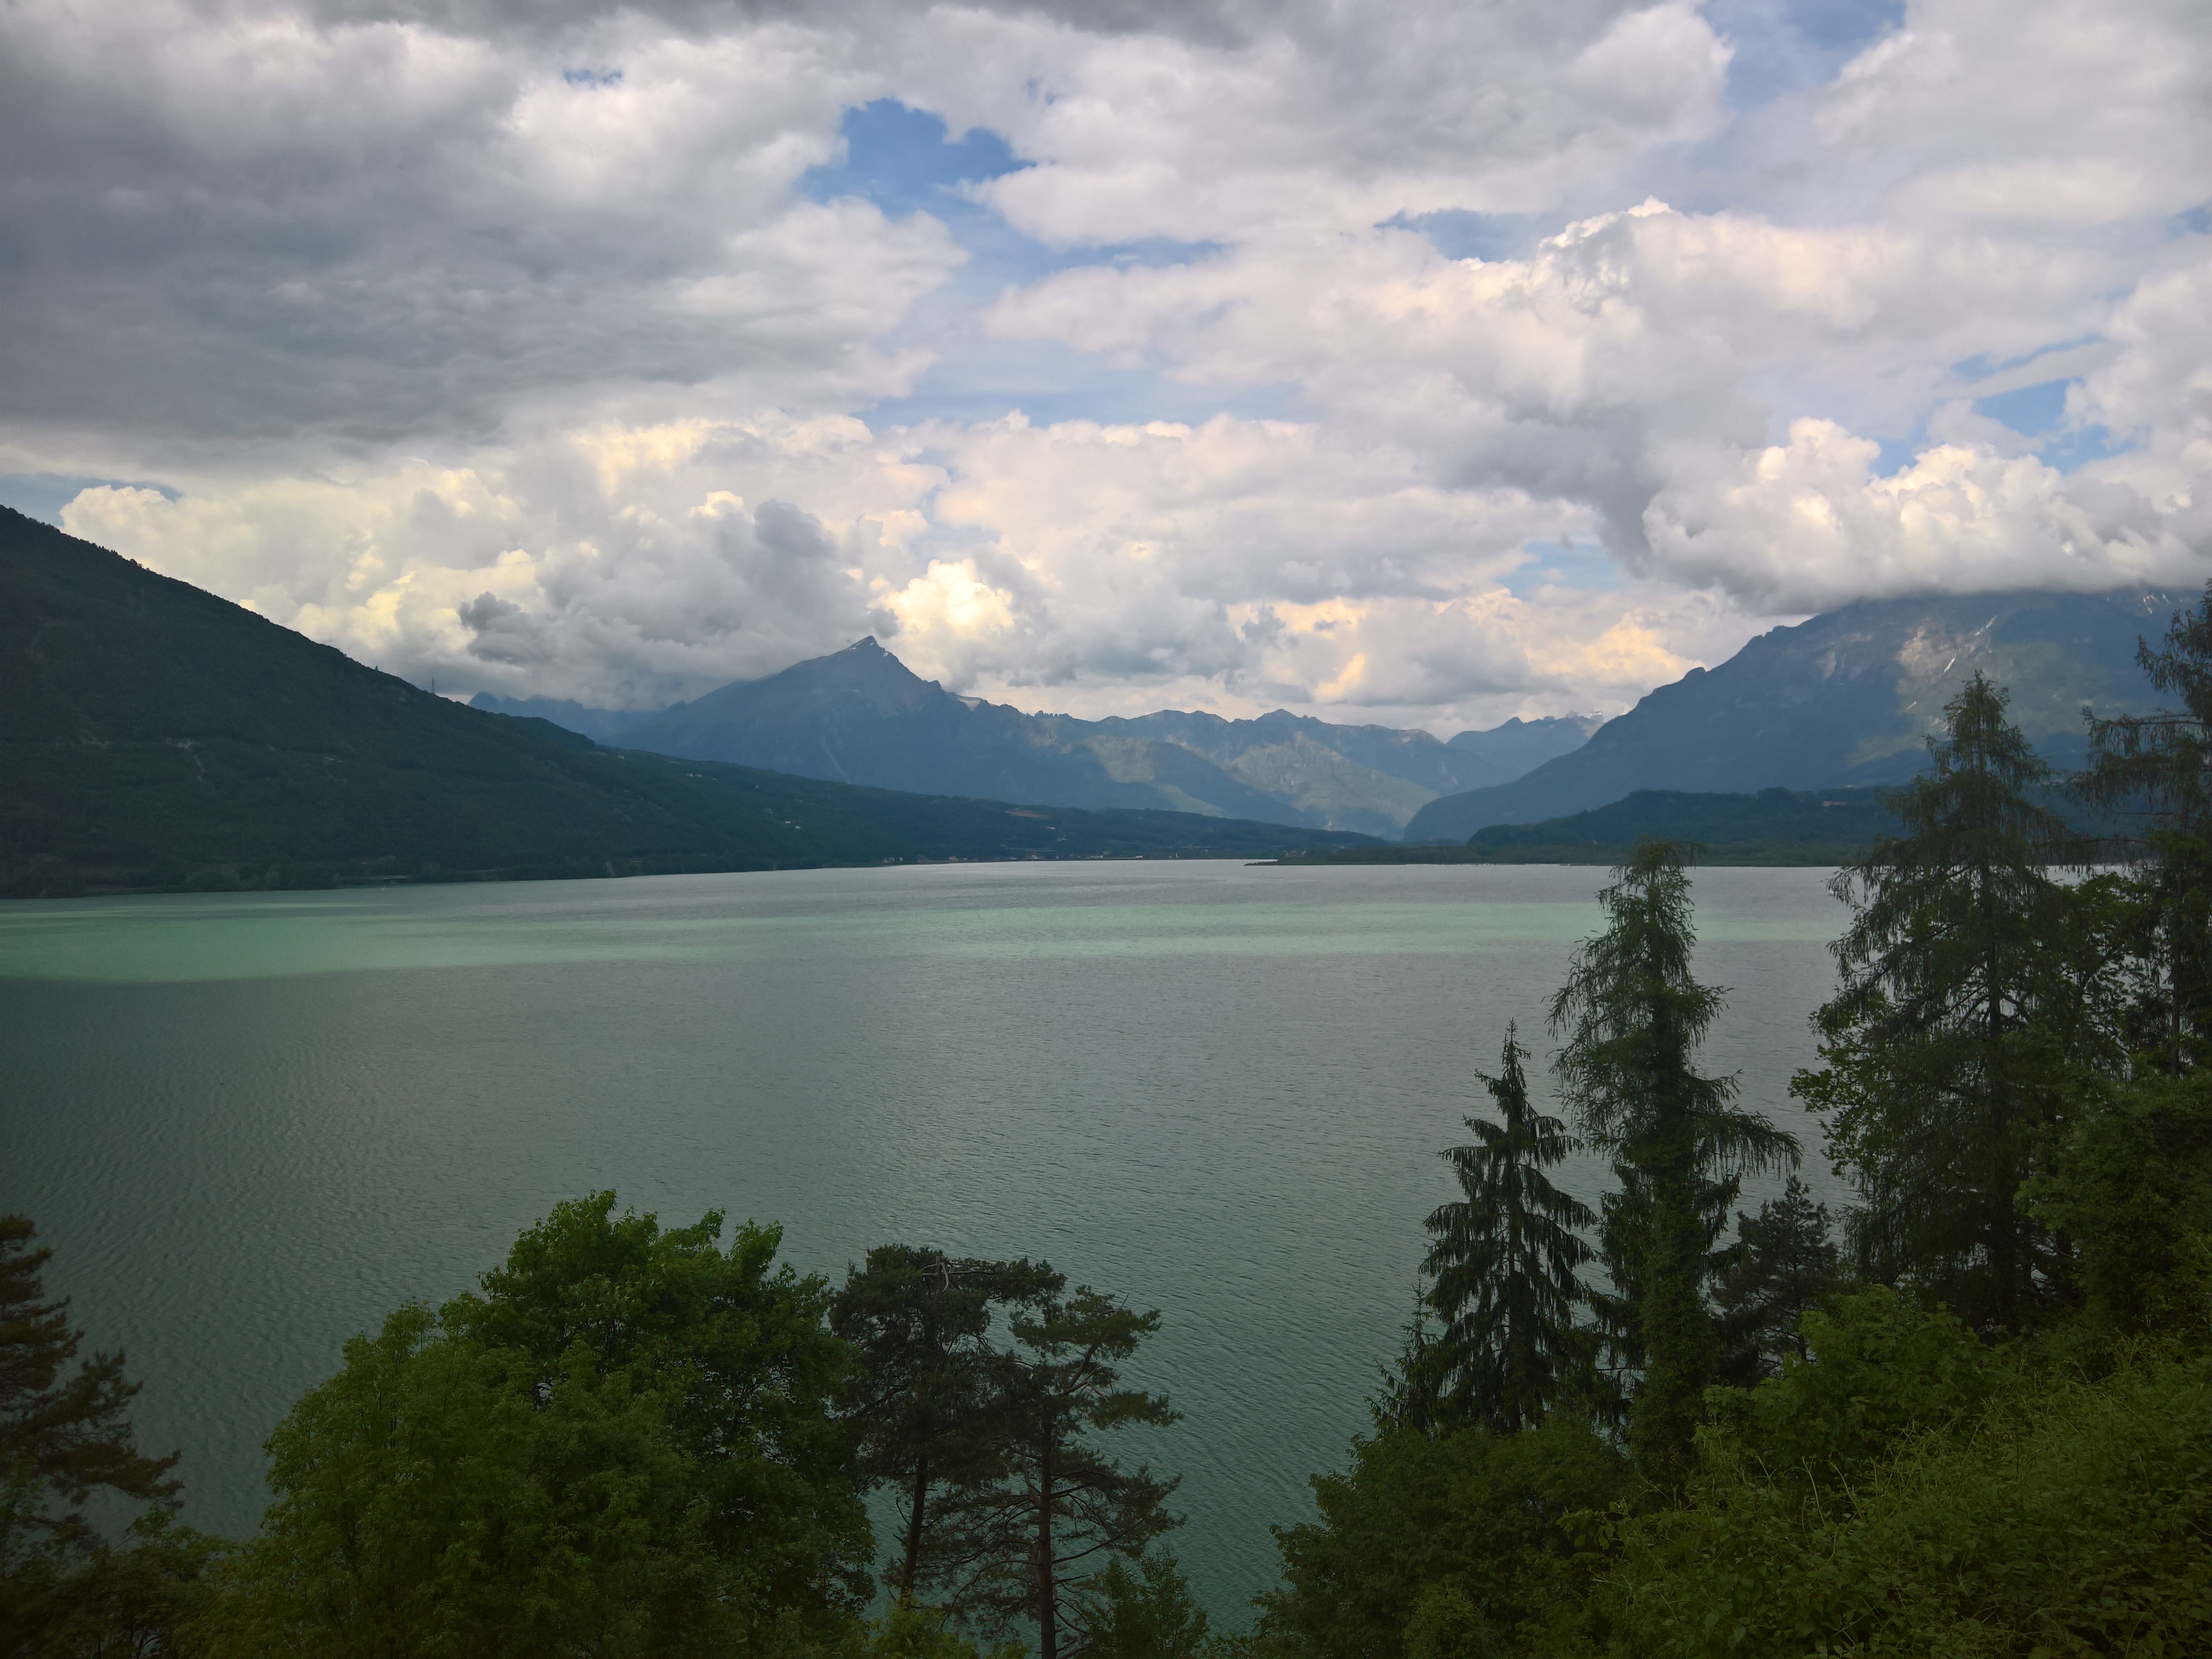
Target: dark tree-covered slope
(154,735)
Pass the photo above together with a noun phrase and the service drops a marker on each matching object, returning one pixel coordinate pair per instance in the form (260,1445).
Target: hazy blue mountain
(154,735)
(600,725)
(1847,698)
(861,716)
(1519,747)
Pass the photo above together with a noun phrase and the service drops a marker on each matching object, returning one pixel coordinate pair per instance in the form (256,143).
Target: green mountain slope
(154,735)
(1773,827)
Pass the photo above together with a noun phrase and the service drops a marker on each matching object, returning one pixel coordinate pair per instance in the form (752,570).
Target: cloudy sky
(1425,363)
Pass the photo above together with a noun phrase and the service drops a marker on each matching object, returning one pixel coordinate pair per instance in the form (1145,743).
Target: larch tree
(1966,1027)
(1633,1016)
(1503,1268)
(1028,1544)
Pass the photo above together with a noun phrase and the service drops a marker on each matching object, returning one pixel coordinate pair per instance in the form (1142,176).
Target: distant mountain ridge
(859,715)
(1847,698)
(155,736)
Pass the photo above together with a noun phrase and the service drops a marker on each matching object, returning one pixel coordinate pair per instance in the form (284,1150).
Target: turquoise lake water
(250,1125)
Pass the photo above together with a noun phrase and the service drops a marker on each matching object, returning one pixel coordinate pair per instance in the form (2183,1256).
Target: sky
(1426,364)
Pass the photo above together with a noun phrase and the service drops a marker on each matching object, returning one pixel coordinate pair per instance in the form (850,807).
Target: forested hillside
(154,736)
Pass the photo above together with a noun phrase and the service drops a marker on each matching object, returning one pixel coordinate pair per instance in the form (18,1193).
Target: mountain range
(1848,698)
(154,736)
(861,716)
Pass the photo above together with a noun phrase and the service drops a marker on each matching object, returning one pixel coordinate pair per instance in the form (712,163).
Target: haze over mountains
(860,716)
(1846,698)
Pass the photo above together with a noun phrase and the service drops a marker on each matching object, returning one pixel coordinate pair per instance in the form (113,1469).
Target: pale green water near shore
(250,1125)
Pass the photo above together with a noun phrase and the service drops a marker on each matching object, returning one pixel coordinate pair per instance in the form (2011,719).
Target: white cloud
(503,341)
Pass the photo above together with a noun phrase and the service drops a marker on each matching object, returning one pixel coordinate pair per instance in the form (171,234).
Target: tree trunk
(1047,1599)
(912,1566)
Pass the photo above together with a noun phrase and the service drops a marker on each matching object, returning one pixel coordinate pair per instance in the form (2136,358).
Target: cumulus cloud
(526,347)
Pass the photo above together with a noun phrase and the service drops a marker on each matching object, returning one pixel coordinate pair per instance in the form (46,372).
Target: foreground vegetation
(1978,1423)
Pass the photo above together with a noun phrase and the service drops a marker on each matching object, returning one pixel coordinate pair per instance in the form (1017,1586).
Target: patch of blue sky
(44,495)
(2192,221)
(1580,565)
(1461,234)
(905,161)
(2038,412)
(1784,46)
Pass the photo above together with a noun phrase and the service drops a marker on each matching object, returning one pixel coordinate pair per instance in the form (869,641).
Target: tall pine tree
(925,1406)
(1964,1027)
(1502,1269)
(1029,1544)
(1633,1016)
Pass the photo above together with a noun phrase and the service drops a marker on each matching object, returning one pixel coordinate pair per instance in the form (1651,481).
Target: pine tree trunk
(912,1566)
(1048,1601)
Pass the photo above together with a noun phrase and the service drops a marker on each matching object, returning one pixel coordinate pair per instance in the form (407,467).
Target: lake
(251,1125)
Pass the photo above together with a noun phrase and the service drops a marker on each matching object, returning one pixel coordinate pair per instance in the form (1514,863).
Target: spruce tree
(922,1405)
(1503,1267)
(1784,1265)
(1027,1545)
(1633,1015)
(1965,1027)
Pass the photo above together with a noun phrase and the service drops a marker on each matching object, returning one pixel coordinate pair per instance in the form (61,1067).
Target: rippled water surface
(251,1125)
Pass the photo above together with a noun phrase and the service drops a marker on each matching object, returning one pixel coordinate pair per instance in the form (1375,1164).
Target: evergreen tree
(1964,1027)
(65,1435)
(1503,1267)
(1633,1015)
(1784,1265)
(1150,1612)
(2157,770)
(923,1404)
(1027,1544)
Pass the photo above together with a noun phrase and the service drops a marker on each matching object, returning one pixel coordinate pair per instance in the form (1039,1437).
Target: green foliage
(1966,1028)
(2064,1518)
(1877,1370)
(624,1445)
(1434,1548)
(2157,770)
(1147,1613)
(1502,1266)
(1027,1544)
(1633,1016)
(926,1399)
(1783,1264)
(2132,1192)
(65,1437)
